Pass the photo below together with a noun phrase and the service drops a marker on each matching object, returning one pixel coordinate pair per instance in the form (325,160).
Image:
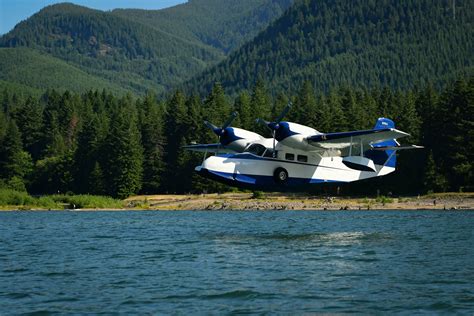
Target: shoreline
(278,201)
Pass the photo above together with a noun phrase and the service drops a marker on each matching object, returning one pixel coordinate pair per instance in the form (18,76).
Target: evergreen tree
(14,161)
(243,106)
(433,179)
(125,153)
(304,110)
(338,118)
(30,122)
(151,123)
(96,181)
(176,120)
(261,105)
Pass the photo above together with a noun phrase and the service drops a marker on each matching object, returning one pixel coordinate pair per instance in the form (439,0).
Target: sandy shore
(278,201)
(245,201)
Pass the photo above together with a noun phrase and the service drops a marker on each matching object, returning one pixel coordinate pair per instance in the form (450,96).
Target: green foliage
(356,43)
(10,197)
(383,199)
(125,152)
(258,195)
(222,24)
(86,201)
(98,143)
(78,49)
(27,70)
(14,198)
(14,161)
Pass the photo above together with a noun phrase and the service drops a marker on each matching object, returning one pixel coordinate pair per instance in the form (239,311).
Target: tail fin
(383,123)
(384,157)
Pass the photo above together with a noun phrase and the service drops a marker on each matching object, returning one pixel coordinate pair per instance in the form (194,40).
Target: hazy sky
(14,11)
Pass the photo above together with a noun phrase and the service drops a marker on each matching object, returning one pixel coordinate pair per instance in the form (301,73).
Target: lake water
(262,262)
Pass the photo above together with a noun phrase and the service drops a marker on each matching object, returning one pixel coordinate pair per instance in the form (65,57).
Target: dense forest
(99,143)
(356,43)
(131,50)
(102,102)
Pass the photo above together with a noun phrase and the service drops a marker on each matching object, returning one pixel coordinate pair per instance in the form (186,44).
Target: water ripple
(236,262)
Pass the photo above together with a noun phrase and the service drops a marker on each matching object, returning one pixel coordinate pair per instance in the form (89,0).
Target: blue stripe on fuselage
(258,181)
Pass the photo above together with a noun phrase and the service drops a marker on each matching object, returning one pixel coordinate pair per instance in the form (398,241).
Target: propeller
(220,131)
(275,125)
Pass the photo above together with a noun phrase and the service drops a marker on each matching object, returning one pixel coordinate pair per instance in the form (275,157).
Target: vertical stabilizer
(383,157)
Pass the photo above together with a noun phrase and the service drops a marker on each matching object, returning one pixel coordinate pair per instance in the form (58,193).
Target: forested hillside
(102,144)
(139,51)
(222,24)
(27,68)
(356,43)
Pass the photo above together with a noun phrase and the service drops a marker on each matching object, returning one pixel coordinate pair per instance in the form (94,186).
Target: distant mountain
(222,24)
(138,50)
(24,70)
(356,43)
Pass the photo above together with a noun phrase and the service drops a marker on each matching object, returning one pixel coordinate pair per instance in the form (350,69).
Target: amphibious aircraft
(299,155)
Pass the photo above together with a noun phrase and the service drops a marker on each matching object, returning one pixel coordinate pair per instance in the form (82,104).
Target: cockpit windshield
(260,150)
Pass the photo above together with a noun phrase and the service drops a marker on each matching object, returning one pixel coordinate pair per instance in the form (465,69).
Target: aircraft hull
(251,171)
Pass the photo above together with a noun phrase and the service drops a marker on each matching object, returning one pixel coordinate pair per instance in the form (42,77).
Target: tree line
(99,143)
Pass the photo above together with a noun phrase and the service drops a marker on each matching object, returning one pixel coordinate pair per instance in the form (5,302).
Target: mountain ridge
(118,48)
(360,44)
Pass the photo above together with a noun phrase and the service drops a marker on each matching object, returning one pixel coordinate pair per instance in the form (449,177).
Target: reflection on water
(236,262)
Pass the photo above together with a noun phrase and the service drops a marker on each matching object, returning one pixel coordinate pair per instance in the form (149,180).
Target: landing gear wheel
(280,175)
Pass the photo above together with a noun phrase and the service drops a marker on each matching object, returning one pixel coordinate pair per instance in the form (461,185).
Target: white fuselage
(302,167)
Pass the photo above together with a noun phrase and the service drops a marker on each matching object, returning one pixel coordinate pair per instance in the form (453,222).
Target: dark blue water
(237,262)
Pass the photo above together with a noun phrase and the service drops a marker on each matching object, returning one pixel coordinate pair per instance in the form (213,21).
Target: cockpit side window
(289,156)
(269,153)
(256,149)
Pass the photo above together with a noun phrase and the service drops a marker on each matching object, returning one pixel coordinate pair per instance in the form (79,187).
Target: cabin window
(302,158)
(289,156)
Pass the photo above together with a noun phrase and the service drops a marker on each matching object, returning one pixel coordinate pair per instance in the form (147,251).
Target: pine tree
(433,180)
(304,110)
(30,122)
(261,105)
(125,153)
(14,161)
(151,123)
(176,120)
(243,106)
(96,183)
(338,118)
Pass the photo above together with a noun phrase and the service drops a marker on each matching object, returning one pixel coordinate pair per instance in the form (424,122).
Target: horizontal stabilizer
(398,147)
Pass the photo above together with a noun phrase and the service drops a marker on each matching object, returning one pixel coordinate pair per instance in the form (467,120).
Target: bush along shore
(16,200)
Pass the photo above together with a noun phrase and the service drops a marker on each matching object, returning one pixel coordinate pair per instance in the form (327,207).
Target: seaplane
(298,155)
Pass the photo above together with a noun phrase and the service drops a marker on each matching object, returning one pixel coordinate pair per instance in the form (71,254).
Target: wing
(345,139)
(210,148)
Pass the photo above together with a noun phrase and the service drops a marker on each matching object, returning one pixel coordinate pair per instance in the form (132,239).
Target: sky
(14,11)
